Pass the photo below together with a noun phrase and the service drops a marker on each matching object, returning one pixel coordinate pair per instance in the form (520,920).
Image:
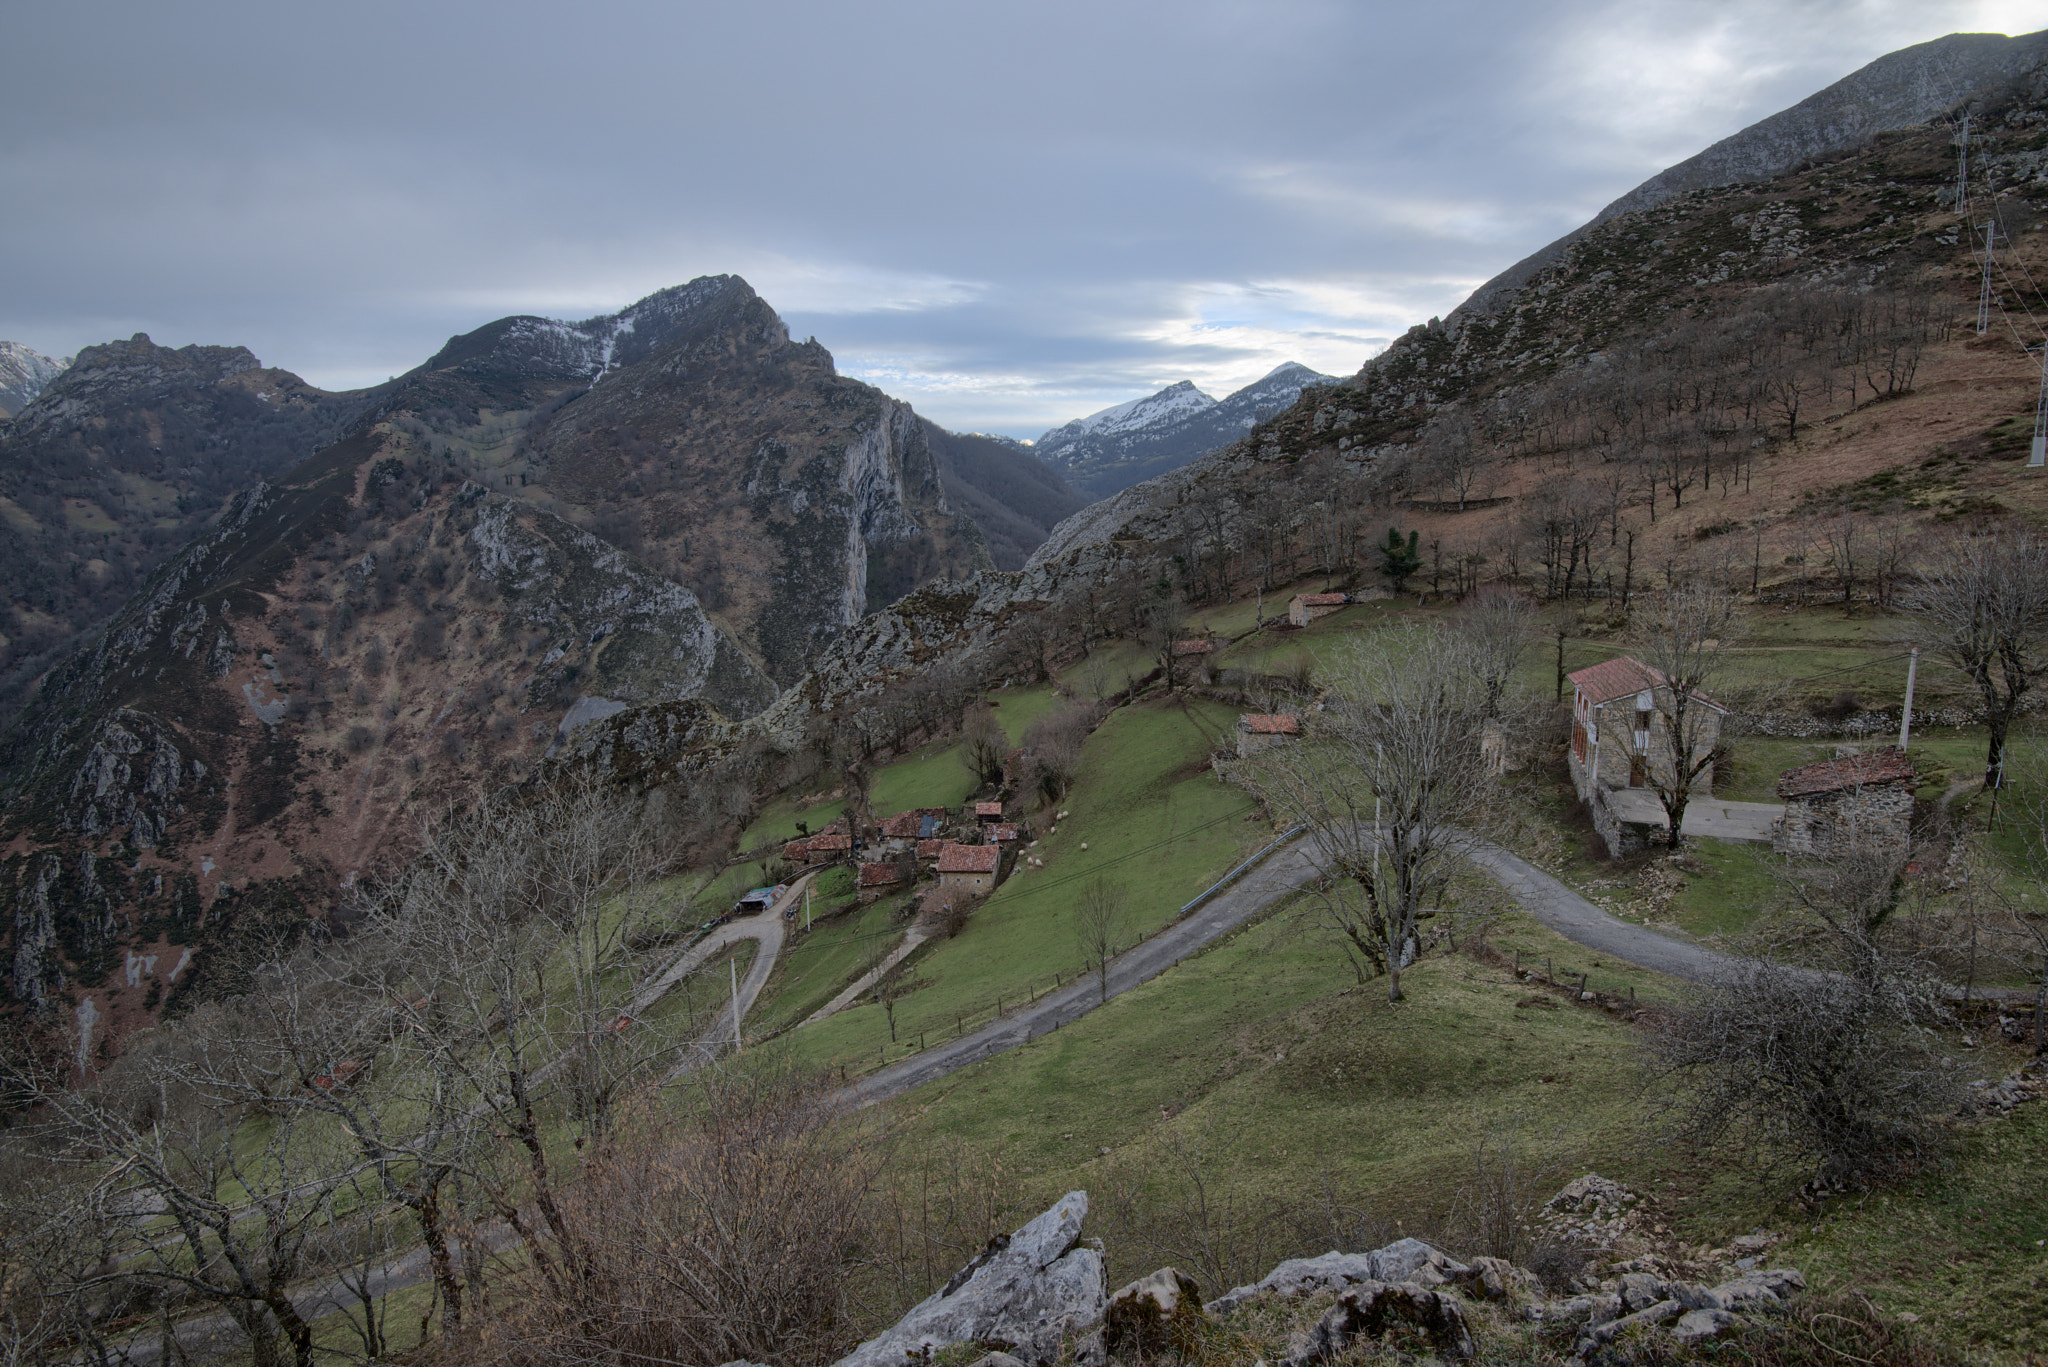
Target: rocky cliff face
(295,695)
(119,460)
(792,499)
(24,373)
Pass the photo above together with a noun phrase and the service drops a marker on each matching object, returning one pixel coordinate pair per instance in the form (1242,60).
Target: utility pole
(807,901)
(1984,290)
(1906,716)
(734,966)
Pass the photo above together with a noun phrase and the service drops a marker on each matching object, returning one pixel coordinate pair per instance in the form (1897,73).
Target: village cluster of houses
(968,850)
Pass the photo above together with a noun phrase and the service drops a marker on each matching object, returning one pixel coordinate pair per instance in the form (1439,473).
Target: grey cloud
(1027,194)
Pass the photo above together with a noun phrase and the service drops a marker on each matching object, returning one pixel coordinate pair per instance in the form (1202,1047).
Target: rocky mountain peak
(118,373)
(1121,446)
(24,373)
(713,310)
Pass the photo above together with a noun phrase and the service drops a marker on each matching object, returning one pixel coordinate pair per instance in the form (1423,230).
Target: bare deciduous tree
(1496,626)
(717,1224)
(1685,638)
(983,746)
(1982,606)
(1385,779)
(1099,927)
(1832,1063)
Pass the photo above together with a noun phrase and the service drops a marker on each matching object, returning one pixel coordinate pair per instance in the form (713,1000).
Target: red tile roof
(1002,830)
(929,849)
(830,842)
(1621,677)
(1872,767)
(989,808)
(1193,647)
(970,858)
(1270,724)
(1322,600)
(797,849)
(902,826)
(880,875)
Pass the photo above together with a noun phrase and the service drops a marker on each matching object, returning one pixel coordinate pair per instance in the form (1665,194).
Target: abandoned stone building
(1864,798)
(1257,730)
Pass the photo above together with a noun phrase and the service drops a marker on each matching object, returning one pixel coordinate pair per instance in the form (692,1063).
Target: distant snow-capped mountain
(23,375)
(1132,442)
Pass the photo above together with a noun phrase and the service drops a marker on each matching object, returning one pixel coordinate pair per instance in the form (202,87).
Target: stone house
(1193,649)
(1257,730)
(969,869)
(988,811)
(830,844)
(1003,831)
(1304,608)
(881,879)
(1621,732)
(1867,796)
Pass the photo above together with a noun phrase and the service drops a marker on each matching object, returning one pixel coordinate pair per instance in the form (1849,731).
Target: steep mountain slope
(1121,446)
(292,697)
(1763,357)
(116,463)
(1898,90)
(490,559)
(24,373)
(1013,496)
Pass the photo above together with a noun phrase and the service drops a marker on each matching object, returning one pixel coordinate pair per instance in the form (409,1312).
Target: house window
(1638,770)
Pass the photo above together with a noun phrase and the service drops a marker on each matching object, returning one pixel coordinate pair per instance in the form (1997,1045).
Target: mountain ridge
(1127,443)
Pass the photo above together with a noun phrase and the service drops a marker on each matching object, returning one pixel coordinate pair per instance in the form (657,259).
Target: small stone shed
(1304,608)
(1257,730)
(969,869)
(1868,796)
(1182,649)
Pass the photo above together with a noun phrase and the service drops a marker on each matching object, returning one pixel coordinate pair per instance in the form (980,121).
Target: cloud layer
(1008,215)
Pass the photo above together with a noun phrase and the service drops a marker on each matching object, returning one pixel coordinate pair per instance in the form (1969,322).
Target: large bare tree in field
(1099,928)
(1981,605)
(1685,637)
(1385,778)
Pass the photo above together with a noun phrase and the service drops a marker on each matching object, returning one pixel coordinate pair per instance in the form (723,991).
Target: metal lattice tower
(2037,458)
(1984,294)
(1963,172)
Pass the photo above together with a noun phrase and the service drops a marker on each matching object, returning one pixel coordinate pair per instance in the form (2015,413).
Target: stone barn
(1257,730)
(1304,608)
(1868,797)
(969,869)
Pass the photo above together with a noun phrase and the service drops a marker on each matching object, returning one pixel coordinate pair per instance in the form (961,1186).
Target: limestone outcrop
(1029,1294)
(1036,1296)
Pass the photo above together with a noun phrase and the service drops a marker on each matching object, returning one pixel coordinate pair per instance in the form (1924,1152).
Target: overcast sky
(1008,214)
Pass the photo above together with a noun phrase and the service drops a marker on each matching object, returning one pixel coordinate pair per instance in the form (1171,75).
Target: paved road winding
(1541,895)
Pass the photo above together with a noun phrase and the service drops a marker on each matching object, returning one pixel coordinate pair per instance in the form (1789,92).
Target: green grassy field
(934,777)
(1156,823)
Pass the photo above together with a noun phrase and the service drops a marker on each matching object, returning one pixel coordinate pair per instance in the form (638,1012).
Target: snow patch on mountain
(1121,446)
(24,373)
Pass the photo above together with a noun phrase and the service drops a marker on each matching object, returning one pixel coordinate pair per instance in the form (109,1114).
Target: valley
(625,843)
